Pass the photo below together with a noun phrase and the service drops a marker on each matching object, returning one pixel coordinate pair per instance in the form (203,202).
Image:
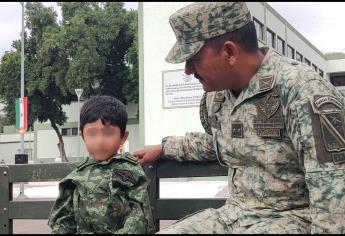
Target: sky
(322,23)
(11,21)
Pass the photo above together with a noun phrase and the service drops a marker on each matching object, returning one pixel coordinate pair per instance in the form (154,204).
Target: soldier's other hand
(148,155)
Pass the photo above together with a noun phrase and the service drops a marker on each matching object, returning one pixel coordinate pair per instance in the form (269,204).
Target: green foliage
(94,48)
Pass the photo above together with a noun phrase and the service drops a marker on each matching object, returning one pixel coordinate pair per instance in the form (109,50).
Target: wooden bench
(163,209)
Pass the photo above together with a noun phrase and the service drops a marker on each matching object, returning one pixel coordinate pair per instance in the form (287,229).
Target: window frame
(299,54)
(292,50)
(260,34)
(279,39)
(268,30)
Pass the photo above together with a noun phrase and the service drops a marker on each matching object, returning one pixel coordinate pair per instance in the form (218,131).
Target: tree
(88,50)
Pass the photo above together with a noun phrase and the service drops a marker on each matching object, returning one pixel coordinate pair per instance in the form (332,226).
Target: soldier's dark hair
(245,36)
(109,109)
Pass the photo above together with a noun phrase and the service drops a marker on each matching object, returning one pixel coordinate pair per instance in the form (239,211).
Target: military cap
(198,22)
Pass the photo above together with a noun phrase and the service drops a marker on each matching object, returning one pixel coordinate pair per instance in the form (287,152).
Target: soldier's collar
(264,79)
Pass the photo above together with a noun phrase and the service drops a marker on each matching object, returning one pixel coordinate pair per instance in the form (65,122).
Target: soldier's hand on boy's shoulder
(150,154)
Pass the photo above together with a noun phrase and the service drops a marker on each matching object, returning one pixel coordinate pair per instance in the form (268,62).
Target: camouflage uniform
(283,139)
(103,197)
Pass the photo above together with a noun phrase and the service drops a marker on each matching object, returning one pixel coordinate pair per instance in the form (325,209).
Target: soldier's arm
(316,127)
(191,147)
(61,218)
(139,219)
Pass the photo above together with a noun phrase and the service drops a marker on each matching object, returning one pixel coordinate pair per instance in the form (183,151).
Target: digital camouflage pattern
(215,18)
(103,197)
(283,139)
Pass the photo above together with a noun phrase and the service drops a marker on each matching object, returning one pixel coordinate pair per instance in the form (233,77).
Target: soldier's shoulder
(292,72)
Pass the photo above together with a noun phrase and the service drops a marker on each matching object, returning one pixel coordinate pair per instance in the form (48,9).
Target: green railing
(163,209)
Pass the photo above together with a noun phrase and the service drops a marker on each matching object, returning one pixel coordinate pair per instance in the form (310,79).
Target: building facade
(156,39)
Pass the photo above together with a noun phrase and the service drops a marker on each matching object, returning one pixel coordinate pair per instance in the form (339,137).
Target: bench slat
(30,209)
(39,172)
(173,209)
(174,169)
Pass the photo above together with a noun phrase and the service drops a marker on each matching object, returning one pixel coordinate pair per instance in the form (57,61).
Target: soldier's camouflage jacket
(283,139)
(103,197)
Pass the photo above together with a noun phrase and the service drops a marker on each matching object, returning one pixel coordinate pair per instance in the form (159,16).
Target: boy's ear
(81,134)
(124,137)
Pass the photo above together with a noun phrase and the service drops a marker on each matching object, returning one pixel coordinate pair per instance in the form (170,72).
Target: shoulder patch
(329,132)
(324,101)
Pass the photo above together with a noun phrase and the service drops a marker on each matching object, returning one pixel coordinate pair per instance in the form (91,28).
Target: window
(290,52)
(315,67)
(259,29)
(321,73)
(307,61)
(281,46)
(338,80)
(69,131)
(299,56)
(270,38)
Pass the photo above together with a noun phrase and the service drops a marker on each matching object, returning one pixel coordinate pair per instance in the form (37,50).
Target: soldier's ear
(231,52)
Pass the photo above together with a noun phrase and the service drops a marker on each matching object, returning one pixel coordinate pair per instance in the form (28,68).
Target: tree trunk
(61,144)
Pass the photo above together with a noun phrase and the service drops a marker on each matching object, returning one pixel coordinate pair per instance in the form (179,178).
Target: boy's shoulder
(119,163)
(127,157)
(119,158)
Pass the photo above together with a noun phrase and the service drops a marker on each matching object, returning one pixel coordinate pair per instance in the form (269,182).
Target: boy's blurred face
(102,141)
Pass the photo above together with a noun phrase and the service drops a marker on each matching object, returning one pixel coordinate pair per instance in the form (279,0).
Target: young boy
(107,193)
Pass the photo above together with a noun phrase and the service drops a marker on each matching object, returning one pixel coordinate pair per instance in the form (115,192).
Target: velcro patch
(265,83)
(125,176)
(325,103)
(237,130)
(269,121)
(333,131)
(329,135)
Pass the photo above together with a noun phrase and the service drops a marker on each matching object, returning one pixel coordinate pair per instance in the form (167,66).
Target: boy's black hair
(109,109)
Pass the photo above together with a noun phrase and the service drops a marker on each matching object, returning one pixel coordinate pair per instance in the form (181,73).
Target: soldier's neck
(252,64)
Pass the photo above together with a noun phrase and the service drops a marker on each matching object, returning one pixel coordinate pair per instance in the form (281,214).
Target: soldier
(273,121)
(107,193)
